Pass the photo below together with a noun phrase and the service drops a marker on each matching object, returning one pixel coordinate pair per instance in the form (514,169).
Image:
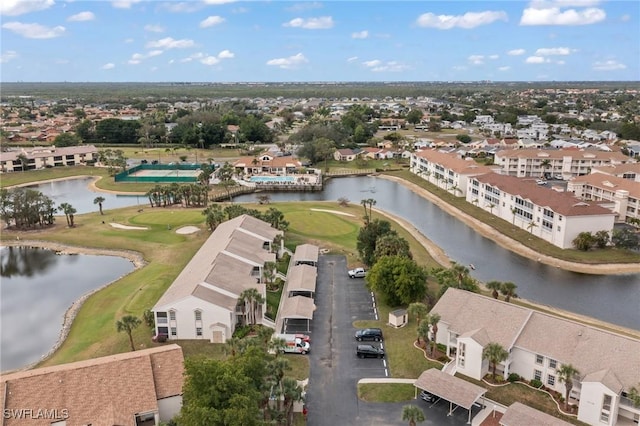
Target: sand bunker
(333,211)
(119,226)
(187,230)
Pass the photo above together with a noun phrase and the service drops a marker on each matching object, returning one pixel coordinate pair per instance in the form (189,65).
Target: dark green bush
(241,331)
(536,383)
(513,377)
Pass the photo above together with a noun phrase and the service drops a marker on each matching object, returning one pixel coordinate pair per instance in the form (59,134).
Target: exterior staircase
(450,367)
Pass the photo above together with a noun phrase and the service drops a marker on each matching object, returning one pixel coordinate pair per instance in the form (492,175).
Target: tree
(225,175)
(625,238)
(24,161)
(495,354)
(269,273)
(99,201)
(399,280)
(414,116)
(214,216)
(254,299)
(276,219)
(566,373)
(69,213)
(422,332)
(601,239)
(418,310)
(67,139)
(368,202)
(392,245)
(463,138)
(634,395)
(412,414)
(324,150)
(433,319)
(292,392)
(128,323)
(495,286)
(368,237)
(508,290)
(584,241)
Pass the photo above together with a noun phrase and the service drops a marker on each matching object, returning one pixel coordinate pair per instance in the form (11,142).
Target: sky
(319,41)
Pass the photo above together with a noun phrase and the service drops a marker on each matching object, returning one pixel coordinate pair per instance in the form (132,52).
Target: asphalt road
(335,370)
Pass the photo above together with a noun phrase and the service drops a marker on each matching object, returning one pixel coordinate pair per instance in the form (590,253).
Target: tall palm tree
(495,286)
(418,310)
(508,290)
(434,319)
(370,202)
(292,392)
(69,212)
(412,414)
(495,354)
(128,323)
(232,346)
(566,373)
(254,299)
(99,201)
(423,332)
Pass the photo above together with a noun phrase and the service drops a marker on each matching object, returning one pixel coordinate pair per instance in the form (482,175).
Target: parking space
(293,326)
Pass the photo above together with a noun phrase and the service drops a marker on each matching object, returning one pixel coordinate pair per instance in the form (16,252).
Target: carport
(298,308)
(520,414)
(306,254)
(302,281)
(445,386)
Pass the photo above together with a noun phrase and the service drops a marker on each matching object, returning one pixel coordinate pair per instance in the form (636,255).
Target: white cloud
(136,58)
(20,7)
(360,34)
(372,63)
(124,4)
(554,16)
(82,17)
(210,60)
(467,21)
(211,21)
(8,56)
(560,62)
(291,62)
(182,7)
(320,23)
(108,66)
(549,51)
(516,52)
(154,28)
(154,53)
(377,65)
(214,2)
(170,43)
(536,60)
(300,7)
(506,68)
(609,65)
(226,54)
(459,68)
(476,59)
(494,57)
(34,30)
(352,59)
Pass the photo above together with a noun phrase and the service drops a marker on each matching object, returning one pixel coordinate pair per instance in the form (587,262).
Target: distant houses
(41,157)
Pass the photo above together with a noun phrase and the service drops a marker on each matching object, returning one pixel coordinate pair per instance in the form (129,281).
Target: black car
(374,334)
(369,351)
(428,397)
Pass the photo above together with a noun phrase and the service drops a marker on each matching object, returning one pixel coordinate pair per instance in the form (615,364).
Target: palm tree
(545,164)
(232,346)
(495,286)
(269,273)
(367,214)
(491,207)
(99,201)
(277,344)
(495,354)
(566,373)
(412,414)
(69,213)
(128,323)
(291,393)
(418,310)
(264,334)
(254,299)
(530,226)
(508,290)
(433,320)
(423,332)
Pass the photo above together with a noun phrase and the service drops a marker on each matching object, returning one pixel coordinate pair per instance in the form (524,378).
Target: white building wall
(590,408)
(169,407)
(474,365)
(576,224)
(186,324)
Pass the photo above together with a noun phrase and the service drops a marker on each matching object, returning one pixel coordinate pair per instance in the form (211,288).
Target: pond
(612,298)
(37,288)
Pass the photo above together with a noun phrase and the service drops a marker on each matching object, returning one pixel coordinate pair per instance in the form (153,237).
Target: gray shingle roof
(521,415)
(449,387)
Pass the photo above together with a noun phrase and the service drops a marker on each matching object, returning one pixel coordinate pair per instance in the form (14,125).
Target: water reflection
(37,288)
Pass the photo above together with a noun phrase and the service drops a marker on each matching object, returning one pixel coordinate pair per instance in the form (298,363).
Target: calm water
(36,289)
(613,298)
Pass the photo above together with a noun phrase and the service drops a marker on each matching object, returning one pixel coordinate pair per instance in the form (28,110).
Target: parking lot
(335,369)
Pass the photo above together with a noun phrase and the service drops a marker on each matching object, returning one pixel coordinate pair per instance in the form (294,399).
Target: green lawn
(18,178)
(387,392)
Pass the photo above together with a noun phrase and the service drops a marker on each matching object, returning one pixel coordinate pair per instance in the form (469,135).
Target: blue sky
(243,41)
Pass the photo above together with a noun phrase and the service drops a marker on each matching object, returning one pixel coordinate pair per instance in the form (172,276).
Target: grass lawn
(18,178)
(387,392)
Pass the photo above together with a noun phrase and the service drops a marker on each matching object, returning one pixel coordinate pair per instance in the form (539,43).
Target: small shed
(398,318)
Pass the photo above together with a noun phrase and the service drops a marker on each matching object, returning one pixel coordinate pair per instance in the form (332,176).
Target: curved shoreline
(71,312)
(513,245)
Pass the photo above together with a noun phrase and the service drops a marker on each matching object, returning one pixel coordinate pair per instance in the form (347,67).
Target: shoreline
(71,312)
(513,245)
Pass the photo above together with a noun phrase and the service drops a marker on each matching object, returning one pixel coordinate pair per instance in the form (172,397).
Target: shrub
(161,338)
(442,348)
(536,383)
(343,201)
(242,331)
(149,319)
(513,377)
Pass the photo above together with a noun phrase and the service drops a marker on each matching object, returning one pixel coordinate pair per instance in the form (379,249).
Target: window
(162,317)
(539,359)
(552,363)
(606,409)
(199,331)
(551,380)
(172,315)
(174,331)
(537,374)
(461,354)
(198,315)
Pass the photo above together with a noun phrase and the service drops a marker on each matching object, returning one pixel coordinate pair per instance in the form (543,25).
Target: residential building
(620,195)
(538,345)
(41,157)
(129,389)
(565,162)
(204,300)
(556,217)
(346,154)
(630,171)
(447,171)
(267,163)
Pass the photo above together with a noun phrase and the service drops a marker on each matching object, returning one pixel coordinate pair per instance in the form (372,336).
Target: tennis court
(166,173)
(161,173)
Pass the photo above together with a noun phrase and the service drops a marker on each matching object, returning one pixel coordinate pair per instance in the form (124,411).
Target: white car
(357,273)
(557,177)
(541,181)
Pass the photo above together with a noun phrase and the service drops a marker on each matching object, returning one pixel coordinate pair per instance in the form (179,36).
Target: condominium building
(41,157)
(620,195)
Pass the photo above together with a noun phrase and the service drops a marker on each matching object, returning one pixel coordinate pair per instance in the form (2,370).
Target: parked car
(558,177)
(357,273)
(428,397)
(374,334)
(369,351)
(541,181)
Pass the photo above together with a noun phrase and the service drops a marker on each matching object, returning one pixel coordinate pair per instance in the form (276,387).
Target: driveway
(335,370)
